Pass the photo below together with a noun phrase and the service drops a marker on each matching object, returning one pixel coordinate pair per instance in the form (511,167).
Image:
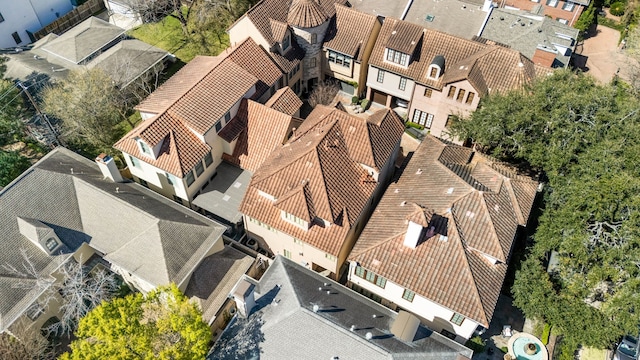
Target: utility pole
(40,113)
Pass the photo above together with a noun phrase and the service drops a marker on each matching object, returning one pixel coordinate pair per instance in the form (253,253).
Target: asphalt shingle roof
(140,231)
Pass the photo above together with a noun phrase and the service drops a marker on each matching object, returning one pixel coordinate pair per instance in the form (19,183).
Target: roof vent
(394,32)
(419,171)
(353,328)
(450,190)
(369,336)
(316,308)
(444,238)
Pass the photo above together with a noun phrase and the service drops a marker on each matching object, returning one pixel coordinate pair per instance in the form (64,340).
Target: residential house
(439,243)
(546,42)
(67,208)
(248,139)
(347,47)
(20,19)
(122,14)
(435,75)
(199,115)
(310,199)
(293,312)
(293,31)
(94,43)
(564,11)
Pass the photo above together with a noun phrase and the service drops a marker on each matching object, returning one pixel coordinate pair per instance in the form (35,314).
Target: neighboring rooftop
(284,324)
(349,31)
(136,229)
(532,34)
(459,18)
(475,205)
(215,277)
(319,173)
(83,40)
(488,67)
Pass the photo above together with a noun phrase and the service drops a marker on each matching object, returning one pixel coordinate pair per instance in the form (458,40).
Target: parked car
(627,349)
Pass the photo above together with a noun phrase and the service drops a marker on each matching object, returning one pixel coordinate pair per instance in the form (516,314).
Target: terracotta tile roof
(488,67)
(306,14)
(285,101)
(266,10)
(404,37)
(180,150)
(258,130)
(480,224)
(349,31)
(278,30)
(543,58)
(195,98)
(370,142)
(315,174)
(177,85)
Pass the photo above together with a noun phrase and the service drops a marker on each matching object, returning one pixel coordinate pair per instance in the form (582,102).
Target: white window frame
(568,6)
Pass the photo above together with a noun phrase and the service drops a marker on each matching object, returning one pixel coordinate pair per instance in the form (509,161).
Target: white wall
(389,84)
(243,29)
(32,15)
(432,313)
(279,241)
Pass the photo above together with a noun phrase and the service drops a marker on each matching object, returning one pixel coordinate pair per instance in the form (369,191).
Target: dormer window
(436,68)
(397,57)
(51,243)
(144,148)
(294,220)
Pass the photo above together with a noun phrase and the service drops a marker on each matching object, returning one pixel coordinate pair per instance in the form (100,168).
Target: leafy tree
(164,324)
(585,139)
(89,107)
(587,19)
(12,164)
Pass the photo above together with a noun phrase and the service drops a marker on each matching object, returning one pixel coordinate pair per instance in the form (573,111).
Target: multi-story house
(293,31)
(438,244)
(311,198)
(564,11)
(20,19)
(178,147)
(66,208)
(347,47)
(435,75)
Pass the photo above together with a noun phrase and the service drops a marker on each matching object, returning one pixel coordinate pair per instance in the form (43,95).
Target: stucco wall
(390,84)
(435,316)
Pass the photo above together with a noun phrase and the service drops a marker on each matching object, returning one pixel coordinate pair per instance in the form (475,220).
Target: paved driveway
(603,57)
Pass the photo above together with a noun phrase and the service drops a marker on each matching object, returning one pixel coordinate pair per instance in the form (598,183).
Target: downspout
(406,10)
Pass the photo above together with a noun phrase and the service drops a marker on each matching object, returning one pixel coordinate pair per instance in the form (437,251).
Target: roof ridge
(514,201)
(467,267)
(487,214)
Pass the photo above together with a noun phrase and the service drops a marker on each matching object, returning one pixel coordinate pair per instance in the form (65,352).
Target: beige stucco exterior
(441,106)
(357,72)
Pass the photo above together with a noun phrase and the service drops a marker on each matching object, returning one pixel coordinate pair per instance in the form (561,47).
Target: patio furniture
(506,331)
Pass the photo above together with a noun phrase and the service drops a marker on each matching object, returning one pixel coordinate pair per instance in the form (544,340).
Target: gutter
(406,10)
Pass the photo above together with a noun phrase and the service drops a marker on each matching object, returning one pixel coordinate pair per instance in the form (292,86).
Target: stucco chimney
(108,167)
(243,294)
(412,236)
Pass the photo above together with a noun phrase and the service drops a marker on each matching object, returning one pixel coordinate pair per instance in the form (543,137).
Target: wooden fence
(76,16)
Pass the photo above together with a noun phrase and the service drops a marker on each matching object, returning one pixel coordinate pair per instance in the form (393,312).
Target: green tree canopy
(89,107)
(164,324)
(585,138)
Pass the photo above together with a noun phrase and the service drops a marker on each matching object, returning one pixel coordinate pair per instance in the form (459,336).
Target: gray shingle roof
(144,233)
(288,326)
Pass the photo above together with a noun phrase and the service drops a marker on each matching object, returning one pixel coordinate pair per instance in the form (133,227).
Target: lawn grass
(592,354)
(167,35)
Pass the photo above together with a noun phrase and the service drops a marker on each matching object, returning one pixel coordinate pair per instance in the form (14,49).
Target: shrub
(617,9)
(476,344)
(414,125)
(355,99)
(504,349)
(365,104)
(545,334)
